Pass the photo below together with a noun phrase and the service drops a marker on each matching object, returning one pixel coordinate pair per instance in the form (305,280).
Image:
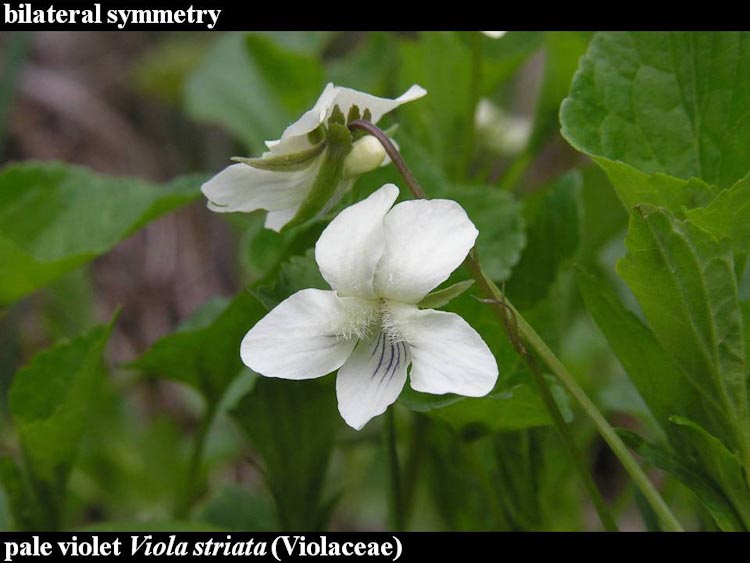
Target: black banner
(344,546)
(212,15)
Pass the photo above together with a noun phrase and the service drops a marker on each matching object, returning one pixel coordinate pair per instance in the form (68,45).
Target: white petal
(348,250)
(425,240)
(240,187)
(346,98)
(366,155)
(371,379)
(297,340)
(275,220)
(448,356)
(294,137)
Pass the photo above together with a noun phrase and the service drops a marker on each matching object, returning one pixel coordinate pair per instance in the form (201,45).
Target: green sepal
(337,117)
(353,113)
(442,297)
(330,175)
(317,135)
(285,162)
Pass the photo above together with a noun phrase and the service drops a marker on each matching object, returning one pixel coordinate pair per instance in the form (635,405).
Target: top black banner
(205,15)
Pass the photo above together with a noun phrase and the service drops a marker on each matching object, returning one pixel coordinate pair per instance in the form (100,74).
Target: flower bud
(499,131)
(366,155)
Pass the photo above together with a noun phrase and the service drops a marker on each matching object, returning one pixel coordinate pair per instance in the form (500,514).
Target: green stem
(535,342)
(527,334)
(392,152)
(190,493)
(602,510)
(397,499)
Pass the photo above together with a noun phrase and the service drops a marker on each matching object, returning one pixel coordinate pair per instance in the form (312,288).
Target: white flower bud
(366,155)
(499,131)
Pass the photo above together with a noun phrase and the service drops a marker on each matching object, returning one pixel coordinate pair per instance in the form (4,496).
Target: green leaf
(727,215)
(722,465)
(49,402)
(237,508)
(499,219)
(294,77)
(437,299)
(553,219)
(504,410)
(562,50)
(460,484)
(252,86)
(297,273)
(263,251)
(704,489)
(206,354)
(292,425)
(367,66)
(648,514)
(20,497)
(535,481)
(634,187)
(55,217)
(684,281)
(604,217)
(502,57)
(670,103)
(440,120)
(660,381)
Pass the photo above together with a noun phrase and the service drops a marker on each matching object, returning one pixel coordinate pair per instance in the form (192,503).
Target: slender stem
(392,152)
(190,493)
(397,499)
(535,342)
(602,510)
(520,331)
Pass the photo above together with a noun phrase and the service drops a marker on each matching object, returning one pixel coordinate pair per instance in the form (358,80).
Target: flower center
(364,319)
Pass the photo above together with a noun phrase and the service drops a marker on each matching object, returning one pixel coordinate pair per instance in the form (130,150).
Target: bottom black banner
(265,546)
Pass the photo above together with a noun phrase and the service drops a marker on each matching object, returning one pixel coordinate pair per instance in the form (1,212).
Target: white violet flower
(381,261)
(316,160)
(494,34)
